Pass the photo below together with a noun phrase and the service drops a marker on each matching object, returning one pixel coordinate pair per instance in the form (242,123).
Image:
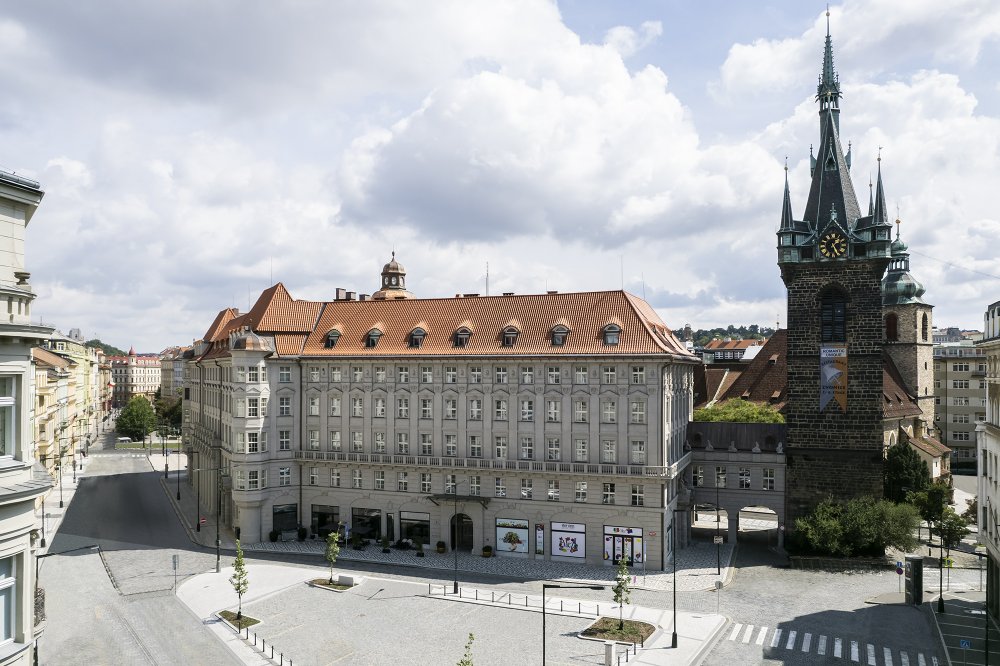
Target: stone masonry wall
(913,357)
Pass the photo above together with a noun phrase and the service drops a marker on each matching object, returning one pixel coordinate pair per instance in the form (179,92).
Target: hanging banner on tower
(833,375)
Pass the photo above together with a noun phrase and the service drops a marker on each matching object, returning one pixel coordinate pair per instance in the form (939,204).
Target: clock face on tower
(833,245)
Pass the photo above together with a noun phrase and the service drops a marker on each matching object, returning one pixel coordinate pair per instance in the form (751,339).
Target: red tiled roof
(45,357)
(927,444)
(897,401)
(732,344)
(221,319)
(289,345)
(764,380)
(711,381)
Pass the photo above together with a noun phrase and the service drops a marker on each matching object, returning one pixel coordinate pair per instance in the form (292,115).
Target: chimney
(341,293)
(351,295)
(508,293)
(363,297)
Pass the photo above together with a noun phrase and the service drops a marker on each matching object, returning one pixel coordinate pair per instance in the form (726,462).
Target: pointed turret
(828,90)
(786,208)
(871,198)
(879,215)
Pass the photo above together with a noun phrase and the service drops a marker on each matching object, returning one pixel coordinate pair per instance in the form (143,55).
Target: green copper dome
(898,286)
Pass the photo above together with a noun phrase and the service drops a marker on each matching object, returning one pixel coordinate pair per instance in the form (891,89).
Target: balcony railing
(588,469)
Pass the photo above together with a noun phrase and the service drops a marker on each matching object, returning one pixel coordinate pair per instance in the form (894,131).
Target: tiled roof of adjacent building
(45,357)
(897,401)
(302,327)
(732,344)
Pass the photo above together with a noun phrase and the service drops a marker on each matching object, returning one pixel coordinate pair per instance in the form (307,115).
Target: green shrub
(860,526)
(739,411)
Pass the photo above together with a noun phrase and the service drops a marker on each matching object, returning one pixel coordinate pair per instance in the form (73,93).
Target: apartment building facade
(134,374)
(988,443)
(959,399)
(544,426)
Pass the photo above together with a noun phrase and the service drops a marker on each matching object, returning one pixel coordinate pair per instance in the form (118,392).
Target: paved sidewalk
(49,515)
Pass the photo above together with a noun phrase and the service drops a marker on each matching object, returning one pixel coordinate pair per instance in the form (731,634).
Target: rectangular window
(335,440)
(425,482)
(527,448)
(336,375)
(240,407)
(552,449)
(253,480)
(475,409)
(580,450)
(553,492)
(501,447)
(475,446)
(744,478)
(638,374)
(960,436)
(284,405)
(959,418)
(527,410)
(960,383)
(285,440)
(403,408)
(768,479)
(314,440)
(426,408)
(553,411)
(403,375)
(500,411)
(357,442)
(608,374)
(527,375)
(356,479)
(962,401)
(451,408)
(426,375)
(450,484)
(527,489)
(474,486)
(241,374)
(500,488)
(380,374)
(402,443)
(638,452)
(581,492)
(959,367)
(609,451)
(580,411)
(475,375)
(313,376)
(580,374)
(638,496)
(378,442)
(379,480)
(552,375)
(335,478)
(379,407)
(334,405)
(720,477)
(357,373)
(637,411)
(284,476)
(253,444)
(450,374)
(500,375)
(607,493)
(451,445)
(313,476)
(313,406)
(284,374)
(426,444)
(253,408)
(609,411)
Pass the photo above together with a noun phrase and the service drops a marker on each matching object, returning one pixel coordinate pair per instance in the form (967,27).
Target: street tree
(332,549)
(622,590)
(951,528)
(904,472)
(467,658)
(930,502)
(137,419)
(239,580)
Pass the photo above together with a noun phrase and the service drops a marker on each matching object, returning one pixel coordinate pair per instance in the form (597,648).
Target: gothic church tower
(832,262)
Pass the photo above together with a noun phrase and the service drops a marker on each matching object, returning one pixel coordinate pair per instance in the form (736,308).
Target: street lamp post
(546,586)
(218,515)
(673,538)
(940,608)
(197,505)
(718,545)
(43,521)
(179,463)
(59,467)
(454,538)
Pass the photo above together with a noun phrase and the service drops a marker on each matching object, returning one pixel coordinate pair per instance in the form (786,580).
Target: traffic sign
(965,644)
(899,571)
(899,564)
(717,540)
(203,521)
(652,534)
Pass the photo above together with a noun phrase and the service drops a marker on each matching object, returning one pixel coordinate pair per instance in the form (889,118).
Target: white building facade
(988,443)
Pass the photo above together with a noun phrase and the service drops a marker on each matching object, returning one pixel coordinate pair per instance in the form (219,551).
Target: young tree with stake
(333,549)
(239,580)
(623,590)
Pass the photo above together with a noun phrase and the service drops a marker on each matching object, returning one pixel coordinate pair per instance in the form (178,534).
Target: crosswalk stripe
(822,645)
(748,633)
(934,661)
(806,641)
(760,635)
(791,640)
(736,632)
(854,651)
(904,659)
(776,638)
(837,647)
(887,656)
(920,660)
(871,655)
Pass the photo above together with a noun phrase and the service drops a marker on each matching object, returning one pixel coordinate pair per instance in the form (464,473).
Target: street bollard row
(263,646)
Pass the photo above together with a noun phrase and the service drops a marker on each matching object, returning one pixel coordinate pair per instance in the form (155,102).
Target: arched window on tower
(833,316)
(891,327)
(923,327)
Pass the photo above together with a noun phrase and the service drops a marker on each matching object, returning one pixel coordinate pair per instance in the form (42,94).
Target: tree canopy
(137,419)
(739,411)
(109,350)
(860,526)
(905,473)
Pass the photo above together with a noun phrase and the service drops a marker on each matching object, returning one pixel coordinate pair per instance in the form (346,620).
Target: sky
(194,152)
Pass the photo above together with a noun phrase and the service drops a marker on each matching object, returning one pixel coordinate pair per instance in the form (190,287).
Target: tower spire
(828,90)
(879,213)
(786,207)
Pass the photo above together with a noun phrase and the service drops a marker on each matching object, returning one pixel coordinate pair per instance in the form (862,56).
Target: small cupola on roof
(899,287)
(393,285)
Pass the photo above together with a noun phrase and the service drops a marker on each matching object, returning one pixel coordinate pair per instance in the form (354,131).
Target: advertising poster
(512,535)
(623,542)
(833,376)
(539,539)
(569,540)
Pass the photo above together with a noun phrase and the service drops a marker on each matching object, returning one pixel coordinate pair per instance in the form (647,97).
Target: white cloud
(627,42)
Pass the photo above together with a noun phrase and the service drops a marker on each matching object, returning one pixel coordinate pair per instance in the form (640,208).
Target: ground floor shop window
(623,542)
(415,526)
(512,535)
(324,519)
(569,540)
(366,523)
(285,517)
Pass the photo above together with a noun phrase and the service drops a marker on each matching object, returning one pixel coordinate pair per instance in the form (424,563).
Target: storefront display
(623,541)
(569,540)
(512,535)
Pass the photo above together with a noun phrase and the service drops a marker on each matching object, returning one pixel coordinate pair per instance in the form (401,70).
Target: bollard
(579,605)
(526,601)
(491,596)
(282,659)
(272,650)
(255,639)
(560,605)
(263,645)
(609,653)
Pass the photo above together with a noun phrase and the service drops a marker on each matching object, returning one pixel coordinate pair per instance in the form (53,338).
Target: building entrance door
(461,532)
(623,542)
(390,527)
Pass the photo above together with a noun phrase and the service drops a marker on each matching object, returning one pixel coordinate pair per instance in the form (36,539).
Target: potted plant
(302,533)
(440,547)
(273,535)
(487,551)
(420,548)
(385,544)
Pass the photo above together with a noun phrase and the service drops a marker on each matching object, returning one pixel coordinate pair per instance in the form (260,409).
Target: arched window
(611,334)
(509,336)
(417,336)
(833,316)
(891,327)
(559,334)
(923,327)
(331,339)
(461,337)
(372,338)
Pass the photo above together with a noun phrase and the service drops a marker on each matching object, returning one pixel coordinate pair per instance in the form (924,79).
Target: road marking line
(806,641)
(920,659)
(776,638)
(854,651)
(934,661)
(871,655)
(736,632)
(904,659)
(748,633)
(837,647)
(791,640)
(822,645)
(761,635)
(887,656)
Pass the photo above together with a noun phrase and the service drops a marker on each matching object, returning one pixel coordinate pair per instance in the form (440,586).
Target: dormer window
(559,334)
(331,339)
(509,336)
(417,336)
(611,334)
(461,337)
(372,338)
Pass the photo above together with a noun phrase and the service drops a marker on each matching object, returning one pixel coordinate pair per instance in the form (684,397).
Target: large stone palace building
(546,426)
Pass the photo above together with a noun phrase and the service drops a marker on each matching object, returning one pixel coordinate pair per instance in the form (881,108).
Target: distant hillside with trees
(702,336)
(108,350)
